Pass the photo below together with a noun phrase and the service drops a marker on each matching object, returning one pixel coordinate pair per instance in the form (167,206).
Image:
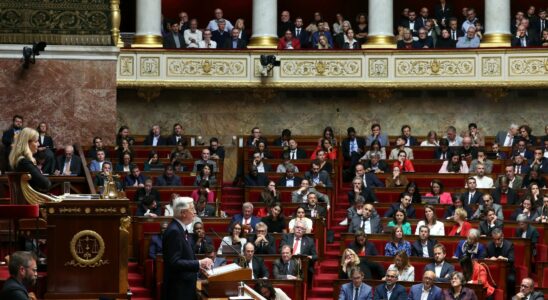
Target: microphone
(243,261)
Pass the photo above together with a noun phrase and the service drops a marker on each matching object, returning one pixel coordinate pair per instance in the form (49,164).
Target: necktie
(454,35)
(287,268)
(293,154)
(66,171)
(470,195)
(356,293)
(523,42)
(298,32)
(296,245)
(186,235)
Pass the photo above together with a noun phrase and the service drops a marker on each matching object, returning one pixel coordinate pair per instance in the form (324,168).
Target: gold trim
(91,262)
(263,42)
(147,41)
(125,227)
(166,84)
(32,196)
(496,40)
(116,19)
(380,41)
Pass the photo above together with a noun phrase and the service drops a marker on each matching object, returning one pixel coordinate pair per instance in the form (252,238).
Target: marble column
(381,22)
(149,24)
(265,34)
(497,24)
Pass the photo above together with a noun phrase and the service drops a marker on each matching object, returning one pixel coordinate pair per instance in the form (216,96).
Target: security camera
(268,62)
(29,53)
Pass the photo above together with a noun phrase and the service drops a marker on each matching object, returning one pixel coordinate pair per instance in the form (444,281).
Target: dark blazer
(370,269)
(37,181)
(282,182)
(429,42)
(155,246)
(412,141)
(48,142)
(446,271)
(262,248)
(164,181)
(241,44)
(130,180)
(394,208)
(398,292)
(304,37)
(285,26)
(320,211)
(169,40)
(209,211)
(486,230)
(7,139)
(75,164)
(239,218)
(366,193)
(280,271)
(220,37)
(443,13)
(370,249)
(259,268)
(346,146)
(301,154)
(381,165)
(142,208)
(516,41)
(476,199)
(180,265)
(438,152)
(172,139)
(512,197)
(416,291)
(355,225)
(416,27)
(506,251)
(371,180)
(536,295)
(162,141)
(260,180)
(201,248)
(416,248)
(324,177)
(308,247)
(14,290)
(141,195)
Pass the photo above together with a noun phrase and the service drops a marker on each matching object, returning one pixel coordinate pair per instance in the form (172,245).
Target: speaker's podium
(223,281)
(87,249)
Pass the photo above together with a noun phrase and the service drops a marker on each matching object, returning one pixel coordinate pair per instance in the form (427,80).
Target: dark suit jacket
(506,251)
(201,248)
(141,195)
(259,268)
(438,152)
(372,180)
(381,165)
(14,290)
(262,248)
(260,180)
(346,146)
(443,13)
(130,180)
(398,292)
(446,271)
(280,271)
(308,247)
(366,193)
(220,37)
(395,206)
(303,38)
(416,248)
(416,291)
(320,211)
(282,182)
(416,27)
(209,211)
(172,139)
(238,219)
(486,230)
(324,177)
(370,269)
(75,164)
(516,42)
(476,199)
(164,181)
(48,142)
(162,141)
(155,246)
(241,44)
(284,26)
(7,139)
(347,290)
(370,249)
(169,40)
(180,265)
(512,197)
(355,225)
(38,181)
(301,154)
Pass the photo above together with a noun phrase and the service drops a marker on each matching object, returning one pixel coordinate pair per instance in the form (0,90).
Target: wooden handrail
(87,173)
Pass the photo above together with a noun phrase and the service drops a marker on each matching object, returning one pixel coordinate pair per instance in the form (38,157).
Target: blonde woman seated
(300,216)
(323,43)
(405,269)
(350,260)
(431,221)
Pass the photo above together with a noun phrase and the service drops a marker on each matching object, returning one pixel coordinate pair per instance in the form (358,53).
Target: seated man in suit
(539,162)
(490,223)
(255,178)
(318,177)
(289,180)
(356,290)
(69,164)
(352,146)
(260,163)
(97,145)
(255,138)
(135,178)
(155,137)
(96,165)
(514,182)
(405,204)
(367,222)
(441,268)
(301,195)
(520,165)
(370,180)
(302,245)
(246,218)
(487,202)
(390,285)
(285,267)
(204,160)
(201,241)
(522,150)
(426,287)
(376,134)
(264,242)
(312,209)
(503,194)
(212,254)
(168,178)
(294,151)
(203,209)
(506,138)
(521,39)
(375,164)
(155,246)
(472,195)
(443,152)
(527,291)
(501,249)
(424,246)
(409,139)
(255,263)
(217,151)
(221,35)
(234,42)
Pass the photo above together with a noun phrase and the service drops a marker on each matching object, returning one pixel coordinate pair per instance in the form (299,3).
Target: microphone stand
(242,261)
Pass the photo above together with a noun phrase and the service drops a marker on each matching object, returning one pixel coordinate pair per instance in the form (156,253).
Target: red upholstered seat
(542,253)
(288,289)
(544,278)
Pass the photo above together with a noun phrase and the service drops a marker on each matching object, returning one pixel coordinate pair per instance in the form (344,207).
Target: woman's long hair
(21,147)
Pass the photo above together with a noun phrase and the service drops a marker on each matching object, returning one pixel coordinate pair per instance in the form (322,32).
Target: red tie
(296,245)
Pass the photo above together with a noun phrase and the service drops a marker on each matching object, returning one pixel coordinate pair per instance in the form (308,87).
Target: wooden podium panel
(87,249)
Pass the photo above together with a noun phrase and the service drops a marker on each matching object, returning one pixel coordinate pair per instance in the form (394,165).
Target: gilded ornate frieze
(127,66)
(446,67)
(378,67)
(491,66)
(149,66)
(207,67)
(67,22)
(528,66)
(325,67)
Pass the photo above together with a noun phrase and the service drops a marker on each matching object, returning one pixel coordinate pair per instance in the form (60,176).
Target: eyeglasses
(525,286)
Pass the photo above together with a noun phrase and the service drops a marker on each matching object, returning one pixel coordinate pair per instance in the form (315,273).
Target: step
(139,291)
(135,279)
(332,253)
(133,267)
(321,292)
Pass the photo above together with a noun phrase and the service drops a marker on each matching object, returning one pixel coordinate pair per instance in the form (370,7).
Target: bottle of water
(241,289)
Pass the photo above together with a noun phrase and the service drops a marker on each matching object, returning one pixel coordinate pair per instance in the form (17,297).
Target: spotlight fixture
(29,53)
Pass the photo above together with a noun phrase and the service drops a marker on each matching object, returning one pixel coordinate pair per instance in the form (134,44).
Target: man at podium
(180,264)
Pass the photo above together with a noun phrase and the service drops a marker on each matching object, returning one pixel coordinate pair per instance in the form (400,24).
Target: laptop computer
(430,199)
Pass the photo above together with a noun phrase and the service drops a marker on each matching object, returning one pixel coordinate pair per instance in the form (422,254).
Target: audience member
(289,180)
(376,134)
(437,190)
(275,219)
(260,163)
(205,175)
(269,195)
(46,148)
(100,178)
(285,23)
(246,218)
(203,209)
(207,42)
(440,266)
(458,290)
(427,287)
(235,239)
(482,159)
(125,165)
(221,36)
(424,245)
(302,245)
(168,178)
(471,246)
(527,208)
(234,41)
(264,242)
(214,24)
(135,178)
(412,189)
(503,194)
(156,243)
(301,195)
(455,165)
(390,289)
(490,223)
(361,246)
(527,291)
(472,195)
(318,177)
(254,178)
(368,179)
(174,39)
(477,273)
(526,231)
(312,209)
(216,151)
(368,222)
(396,179)
(203,191)
(397,243)
(400,219)
(502,249)
(192,35)
(352,146)
(431,222)
(285,267)
(443,152)
(357,289)
(204,160)
(68,164)
(96,165)
(288,42)
(253,262)
(201,241)
(487,202)
(300,216)
(155,138)
(462,227)
(153,163)
(300,33)
(405,204)
(267,291)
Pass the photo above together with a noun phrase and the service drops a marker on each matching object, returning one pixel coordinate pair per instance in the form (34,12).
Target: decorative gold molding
(192,67)
(116,19)
(147,41)
(491,66)
(380,41)
(495,94)
(87,248)
(149,66)
(438,66)
(496,40)
(378,67)
(527,66)
(325,67)
(263,42)
(127,65)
